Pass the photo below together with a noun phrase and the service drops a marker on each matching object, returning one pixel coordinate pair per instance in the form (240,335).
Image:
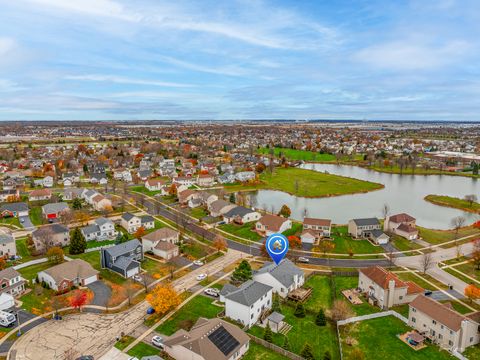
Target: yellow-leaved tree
(163,298)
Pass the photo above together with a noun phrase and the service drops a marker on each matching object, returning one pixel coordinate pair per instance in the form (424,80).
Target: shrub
(299,311)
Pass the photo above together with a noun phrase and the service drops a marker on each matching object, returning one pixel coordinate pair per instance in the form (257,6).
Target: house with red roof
(384,289)
(401,224)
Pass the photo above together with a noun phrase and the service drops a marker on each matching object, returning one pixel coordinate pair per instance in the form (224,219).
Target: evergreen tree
(77,204)
(299,311)
(232,198)
(307,352)
(276,303)
(77,242)
(242,272)
(286,344)
(321,320)
(268,334)
(327,356)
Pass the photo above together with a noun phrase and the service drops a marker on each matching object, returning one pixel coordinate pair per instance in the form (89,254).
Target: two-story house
(401,224)
(247,303)
(241,215)
(270,224)
(384,289)
(8,246)
(443,325)
(162,243)
(283,278)
(315,229)
(48,236)
(124,258)
(101,229)
(11,282)
(368,228)
(132,223)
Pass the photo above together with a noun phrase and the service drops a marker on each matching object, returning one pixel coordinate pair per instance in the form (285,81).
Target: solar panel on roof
(223,340)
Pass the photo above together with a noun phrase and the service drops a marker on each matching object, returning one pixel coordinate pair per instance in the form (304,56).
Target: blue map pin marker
(277,247)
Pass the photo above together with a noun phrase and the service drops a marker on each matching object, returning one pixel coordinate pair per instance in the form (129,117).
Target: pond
(402,193)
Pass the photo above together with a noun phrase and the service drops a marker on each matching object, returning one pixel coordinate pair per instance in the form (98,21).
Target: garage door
(132,272)
(90,280)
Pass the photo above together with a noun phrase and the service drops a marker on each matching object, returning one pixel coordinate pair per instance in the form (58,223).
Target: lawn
(142,189)
(322,294)
(322,338)
(259,352)
(30,272)
(36,215)
(472,352)
(194,250)
(94,244)
(403,244)
(440,236)
(469,269)
(293,154)
(344,244)
(93,258)
(418,171)
(453,202)
(310,183)
(377,338)
(351,282)
(10,221)
(243,231)
(198,212)
(141,349)
(187,316)
(154,267)
(22,250)
(295,230)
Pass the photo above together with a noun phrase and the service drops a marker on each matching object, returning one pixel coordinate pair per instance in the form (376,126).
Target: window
(440,336)
(414,320)
(434,322)
(471,339)
(441,326)
(414,310)
(450,342)
(400,297)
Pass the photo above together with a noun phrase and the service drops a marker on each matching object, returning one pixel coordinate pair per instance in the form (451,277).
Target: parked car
(302,259)
(201,277)
(138,278)
(428,292)
(157,341)
(211,292)
(85,357)
(198,262)
(150,311)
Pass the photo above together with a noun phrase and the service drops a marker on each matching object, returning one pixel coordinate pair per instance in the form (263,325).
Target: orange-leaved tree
(219,243)
(472,292)
(140,232)
(294,242)
(163,298)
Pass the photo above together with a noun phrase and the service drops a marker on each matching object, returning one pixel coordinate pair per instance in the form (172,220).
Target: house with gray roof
(368,228)
(101,229)
(283,278)
(14,209)
(241,215)
(63,276)
(248,303)
(220,207)
(11,282)
(7,246)
(123,258)
(54,210)
(48,236)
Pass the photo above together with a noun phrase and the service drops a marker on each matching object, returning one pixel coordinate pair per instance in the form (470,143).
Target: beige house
(8,246)
(401,224)
(11,282)
(271,224)
(71,273)
(315,229)
(162,243)
(212,339)
(443,325)
(51,235)
(384,289)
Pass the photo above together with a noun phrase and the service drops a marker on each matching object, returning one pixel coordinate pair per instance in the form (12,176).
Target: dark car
(85,357)
(428,292)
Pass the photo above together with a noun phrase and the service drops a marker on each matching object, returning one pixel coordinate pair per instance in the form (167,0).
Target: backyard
(344,244)
(377,339)
(244,231)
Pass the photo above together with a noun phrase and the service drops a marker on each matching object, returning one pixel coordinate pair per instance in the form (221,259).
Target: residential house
(186,195)
(47,182)
(220,207)
(270,224)
(155,184)
(443,325)
(185,180)
(98,178)
(205,180)
(63,277)
(248,303)
(244,176)
(54,210)
(384,289)
(213,339)
(8,246)
(40,194)
(122,175)
(11,282)
(123,258)
(130,222)
(147,222)
(207,198)
(101,203)
(72,194)
(14,209)
(368,228)
(9,195)
(241,215)
(50,235)
(101,229)
(70,179)
(145,174)
(315,229)
(226,179)
(283,278)
(401,224)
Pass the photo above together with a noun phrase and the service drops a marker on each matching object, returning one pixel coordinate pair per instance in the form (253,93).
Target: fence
(276,348)
(99,248)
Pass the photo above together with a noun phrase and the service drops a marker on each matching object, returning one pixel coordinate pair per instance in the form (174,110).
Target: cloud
(6,45)
(125,80)
(230,70)
(409,55)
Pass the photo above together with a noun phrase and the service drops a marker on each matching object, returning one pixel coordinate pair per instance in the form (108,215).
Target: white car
(138,278)
(201,277)
(302,259)
(157,341)
(211,292)
(198,262)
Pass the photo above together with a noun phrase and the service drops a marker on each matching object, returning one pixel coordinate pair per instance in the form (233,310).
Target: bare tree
(43,238)
(340,311)
(130,290)
(66,217)
(471,199)
(391,258)
(426,261)
(457,223)
(385,210)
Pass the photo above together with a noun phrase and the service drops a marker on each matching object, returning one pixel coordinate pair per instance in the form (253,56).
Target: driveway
(180,261)
(101,293)
(440,295)
(27,223)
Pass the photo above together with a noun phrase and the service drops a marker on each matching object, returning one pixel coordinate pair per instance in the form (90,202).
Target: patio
(413,339)
(353,296)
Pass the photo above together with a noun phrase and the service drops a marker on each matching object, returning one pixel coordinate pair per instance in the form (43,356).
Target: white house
(247,303)
(155,184)
(162,243)
(241,215)
(130,222)
(101,229)
(185,180)
(283,278)
(76,272)
(271,224)
(245,176)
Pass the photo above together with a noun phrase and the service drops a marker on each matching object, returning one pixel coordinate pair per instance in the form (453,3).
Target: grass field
(142,189)
(199,306)
(30,272)
(403,244)
(440,236)
(418,171)
(453,202)
(259,352)
(141,349)
(351,282)
(321,296)
(293,154)
(344,243)
(244,231)
(377,338)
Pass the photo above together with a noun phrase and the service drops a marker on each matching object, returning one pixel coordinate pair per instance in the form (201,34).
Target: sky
(309,59)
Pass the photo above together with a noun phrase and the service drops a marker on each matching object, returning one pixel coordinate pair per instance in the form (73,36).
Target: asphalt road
(154,208)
